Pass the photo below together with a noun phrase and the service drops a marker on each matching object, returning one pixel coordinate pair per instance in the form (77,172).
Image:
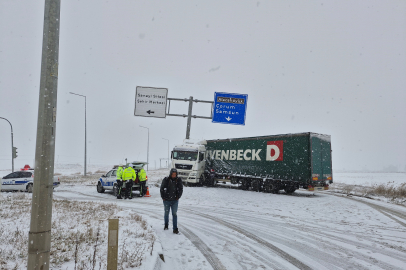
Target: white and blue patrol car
(21,180)
(109,180)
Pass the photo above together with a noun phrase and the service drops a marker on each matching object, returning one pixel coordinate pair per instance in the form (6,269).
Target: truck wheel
(29,188)
(201,180)
(100,188)
(274,188)
(115,191)
(289,190)
(245,185)
(255,185)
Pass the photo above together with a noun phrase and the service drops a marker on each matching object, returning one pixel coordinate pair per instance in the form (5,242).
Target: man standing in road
(128,177)
(171,191)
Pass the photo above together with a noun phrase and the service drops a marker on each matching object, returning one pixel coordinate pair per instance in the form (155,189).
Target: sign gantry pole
(227,108)
(39,238)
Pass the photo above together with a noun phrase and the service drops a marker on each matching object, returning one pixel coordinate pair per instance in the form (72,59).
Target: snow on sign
(229,108)
(150,102)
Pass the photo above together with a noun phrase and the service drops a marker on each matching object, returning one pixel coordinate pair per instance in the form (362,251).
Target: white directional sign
(150,101)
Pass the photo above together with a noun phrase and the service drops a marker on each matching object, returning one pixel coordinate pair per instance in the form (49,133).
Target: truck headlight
(192,174)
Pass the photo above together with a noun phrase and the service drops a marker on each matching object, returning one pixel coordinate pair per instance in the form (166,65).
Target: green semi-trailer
(272,163)
(264,163)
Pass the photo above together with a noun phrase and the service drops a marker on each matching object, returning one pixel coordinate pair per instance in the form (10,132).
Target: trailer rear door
(321,157)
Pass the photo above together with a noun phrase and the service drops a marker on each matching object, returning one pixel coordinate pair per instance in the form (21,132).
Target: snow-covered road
(234,229)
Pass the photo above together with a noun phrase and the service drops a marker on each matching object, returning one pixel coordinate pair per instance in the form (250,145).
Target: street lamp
(85,128)
(168,150)
(147,148)
(12,146)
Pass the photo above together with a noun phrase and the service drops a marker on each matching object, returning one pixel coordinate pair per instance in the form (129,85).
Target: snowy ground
(233,229)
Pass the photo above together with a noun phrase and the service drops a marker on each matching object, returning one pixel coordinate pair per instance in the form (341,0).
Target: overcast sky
(331,67)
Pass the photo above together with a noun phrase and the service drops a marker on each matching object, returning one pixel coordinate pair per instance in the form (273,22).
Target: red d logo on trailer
(274,151)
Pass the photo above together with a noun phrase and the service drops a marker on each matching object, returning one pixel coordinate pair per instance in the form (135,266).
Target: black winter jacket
(171,189)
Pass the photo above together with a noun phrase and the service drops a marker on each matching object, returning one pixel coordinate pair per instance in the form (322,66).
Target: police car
(21,180)
(109,180)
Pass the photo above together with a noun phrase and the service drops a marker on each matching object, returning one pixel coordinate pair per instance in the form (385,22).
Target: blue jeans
(174,206)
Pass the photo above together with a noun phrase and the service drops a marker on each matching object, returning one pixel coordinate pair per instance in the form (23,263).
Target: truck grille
(183,166)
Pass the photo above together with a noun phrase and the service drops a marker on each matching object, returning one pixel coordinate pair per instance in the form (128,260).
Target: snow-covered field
(370,179)
(225,228)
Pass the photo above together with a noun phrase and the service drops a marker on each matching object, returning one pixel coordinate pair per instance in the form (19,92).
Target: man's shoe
(130,198)
(176,231)
(119,197)
(166,227)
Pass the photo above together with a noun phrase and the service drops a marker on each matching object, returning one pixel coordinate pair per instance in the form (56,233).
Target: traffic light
(14,152)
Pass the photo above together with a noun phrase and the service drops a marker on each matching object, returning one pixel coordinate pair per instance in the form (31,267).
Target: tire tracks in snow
(193,238)
(247,234)
(384,210)
(270,246)
(339,245)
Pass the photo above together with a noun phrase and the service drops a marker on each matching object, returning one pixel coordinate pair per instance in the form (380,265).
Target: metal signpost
(229,108)
(189,115)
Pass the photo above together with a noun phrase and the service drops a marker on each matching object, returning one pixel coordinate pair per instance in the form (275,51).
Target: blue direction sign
(229,108)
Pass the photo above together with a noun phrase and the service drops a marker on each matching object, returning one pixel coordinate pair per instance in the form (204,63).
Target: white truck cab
(189,159)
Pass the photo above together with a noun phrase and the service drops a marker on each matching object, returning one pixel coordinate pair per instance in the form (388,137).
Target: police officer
(119,175)
(128,178)
(142,176)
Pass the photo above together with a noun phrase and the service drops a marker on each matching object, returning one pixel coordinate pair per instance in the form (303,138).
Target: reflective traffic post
(112,248)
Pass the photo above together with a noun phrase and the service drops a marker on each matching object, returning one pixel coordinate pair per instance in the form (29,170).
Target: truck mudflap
(317,188)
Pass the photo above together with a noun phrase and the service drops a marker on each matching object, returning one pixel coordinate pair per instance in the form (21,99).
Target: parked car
(22,180)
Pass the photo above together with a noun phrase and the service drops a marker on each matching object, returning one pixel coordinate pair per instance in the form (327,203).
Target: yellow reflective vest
(128,174)
(142,175)
(119,172)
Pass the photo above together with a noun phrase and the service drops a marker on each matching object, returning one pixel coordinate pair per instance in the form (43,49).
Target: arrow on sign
(228,118)
(149,112)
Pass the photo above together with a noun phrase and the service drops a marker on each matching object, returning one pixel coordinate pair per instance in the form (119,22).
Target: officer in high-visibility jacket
(142,176)
(119,175)
(128,177)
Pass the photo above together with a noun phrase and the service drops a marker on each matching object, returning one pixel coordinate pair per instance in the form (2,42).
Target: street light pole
(168,150)
(85,130)
(147,148)
(12,146)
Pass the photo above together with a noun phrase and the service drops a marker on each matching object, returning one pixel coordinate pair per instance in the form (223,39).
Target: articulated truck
(265,163)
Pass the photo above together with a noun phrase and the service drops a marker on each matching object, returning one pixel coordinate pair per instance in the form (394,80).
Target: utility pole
(147,148)
(85,130)
(12,146)
(168,150)
(39,238)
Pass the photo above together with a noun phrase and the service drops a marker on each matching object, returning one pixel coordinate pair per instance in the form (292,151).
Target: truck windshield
(185,155)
